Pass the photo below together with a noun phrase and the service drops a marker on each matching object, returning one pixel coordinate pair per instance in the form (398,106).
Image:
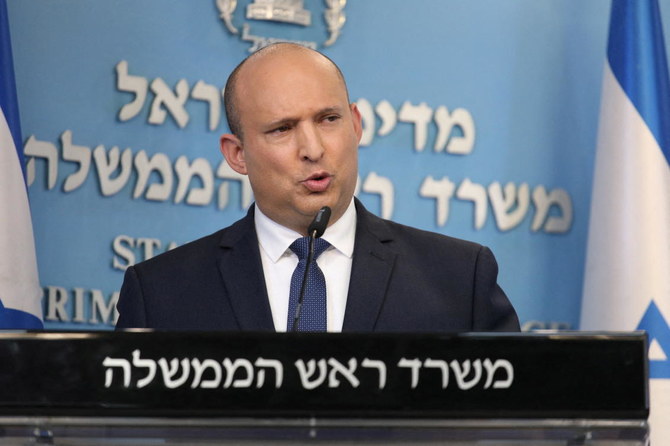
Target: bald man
(295,134)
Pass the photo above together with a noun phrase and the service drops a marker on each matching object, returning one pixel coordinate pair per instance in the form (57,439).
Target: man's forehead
(291,56)
(287,82)
(278,72)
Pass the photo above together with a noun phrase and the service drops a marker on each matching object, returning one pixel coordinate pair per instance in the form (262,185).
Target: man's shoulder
(430,236)
(398,233)
(183,257)
(194,253)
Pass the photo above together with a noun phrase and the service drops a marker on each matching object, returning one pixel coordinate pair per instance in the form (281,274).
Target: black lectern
(253,388)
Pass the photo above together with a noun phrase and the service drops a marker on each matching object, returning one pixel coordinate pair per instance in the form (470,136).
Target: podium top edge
(545,334)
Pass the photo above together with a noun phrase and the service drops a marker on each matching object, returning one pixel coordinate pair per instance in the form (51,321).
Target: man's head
(294,133)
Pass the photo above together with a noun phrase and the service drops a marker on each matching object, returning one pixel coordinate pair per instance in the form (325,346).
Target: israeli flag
(20,291)
(627,277)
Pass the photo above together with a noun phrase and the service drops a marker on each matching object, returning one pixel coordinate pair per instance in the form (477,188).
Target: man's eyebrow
(327,110)
(280,122)
(291,120)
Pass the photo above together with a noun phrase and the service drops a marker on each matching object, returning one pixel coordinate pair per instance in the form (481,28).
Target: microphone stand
(315,230)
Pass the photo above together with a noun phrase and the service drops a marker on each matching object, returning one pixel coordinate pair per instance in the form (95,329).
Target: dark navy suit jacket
(402,279)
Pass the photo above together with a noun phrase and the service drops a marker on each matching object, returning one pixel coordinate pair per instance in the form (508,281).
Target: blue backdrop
(480,122)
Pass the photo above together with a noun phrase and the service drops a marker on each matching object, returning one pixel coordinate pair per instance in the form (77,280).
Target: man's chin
(311,212)
(337,207)
(314,202)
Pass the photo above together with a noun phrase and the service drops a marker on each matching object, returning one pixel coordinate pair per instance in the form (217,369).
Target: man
(295,134)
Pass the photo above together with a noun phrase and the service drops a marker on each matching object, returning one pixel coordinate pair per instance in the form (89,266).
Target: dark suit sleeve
(492,310)
(131,302)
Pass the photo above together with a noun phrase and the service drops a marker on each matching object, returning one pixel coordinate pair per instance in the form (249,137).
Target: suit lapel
(370,272)
(242,274)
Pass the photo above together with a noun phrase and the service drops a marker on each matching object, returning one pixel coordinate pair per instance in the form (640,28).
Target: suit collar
(242,273)
(370,272)
(241,270)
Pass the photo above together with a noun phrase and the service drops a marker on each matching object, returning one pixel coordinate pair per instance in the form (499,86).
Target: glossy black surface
(572,375)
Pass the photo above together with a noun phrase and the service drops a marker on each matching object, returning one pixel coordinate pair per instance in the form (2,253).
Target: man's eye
(281,129)
(331,118)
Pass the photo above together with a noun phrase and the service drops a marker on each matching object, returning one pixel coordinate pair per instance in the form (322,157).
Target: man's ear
(232,151)
(358,124)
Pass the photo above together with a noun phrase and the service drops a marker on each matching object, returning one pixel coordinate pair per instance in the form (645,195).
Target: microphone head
(320,223)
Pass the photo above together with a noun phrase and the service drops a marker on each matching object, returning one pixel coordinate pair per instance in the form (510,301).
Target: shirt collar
(274,239)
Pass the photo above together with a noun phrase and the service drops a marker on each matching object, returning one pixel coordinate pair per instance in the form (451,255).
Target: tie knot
(301,247)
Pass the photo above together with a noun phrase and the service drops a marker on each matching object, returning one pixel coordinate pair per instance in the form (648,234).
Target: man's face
(300,137)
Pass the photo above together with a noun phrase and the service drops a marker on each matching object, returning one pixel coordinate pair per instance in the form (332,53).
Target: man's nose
(310,144)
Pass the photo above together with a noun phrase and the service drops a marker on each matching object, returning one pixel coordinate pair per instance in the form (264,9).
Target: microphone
(319,224)
(314,231)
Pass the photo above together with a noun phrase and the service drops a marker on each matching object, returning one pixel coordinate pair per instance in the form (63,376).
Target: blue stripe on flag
(19,285)
(636,54)
(17,319)
(8,101)
(658,329)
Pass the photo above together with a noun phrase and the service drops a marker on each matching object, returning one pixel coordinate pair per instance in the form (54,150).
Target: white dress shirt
(279,262)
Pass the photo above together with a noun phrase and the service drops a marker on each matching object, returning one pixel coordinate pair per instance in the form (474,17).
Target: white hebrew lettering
(544,202)
(381,368)
(167,99)
(347,372)
(388,116)
(367,122)
(170,371)
(225,172)
(263,363)
(477,194)
(160,163)
(503,202)
(109,373)
(41,149)
(439,364)
(199,369)
(209,93)
(491,370)
(201,168)
(231,369)
(75,154)
(375,184)
(144,363)
(460,117)
(462,373)
(307,372)
(132,84)
(441,191)
(414,365)
(420,116)
(259,42)
(107,166)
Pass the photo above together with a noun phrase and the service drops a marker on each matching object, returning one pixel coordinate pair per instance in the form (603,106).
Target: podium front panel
(177,374)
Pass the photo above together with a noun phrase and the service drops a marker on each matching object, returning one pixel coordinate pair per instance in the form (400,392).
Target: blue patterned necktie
(313,313)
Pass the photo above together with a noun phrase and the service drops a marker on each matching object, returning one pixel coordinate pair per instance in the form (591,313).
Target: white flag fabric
(20,292)
(627,276)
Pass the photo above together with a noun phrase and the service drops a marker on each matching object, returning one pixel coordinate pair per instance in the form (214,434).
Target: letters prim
(80,306)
